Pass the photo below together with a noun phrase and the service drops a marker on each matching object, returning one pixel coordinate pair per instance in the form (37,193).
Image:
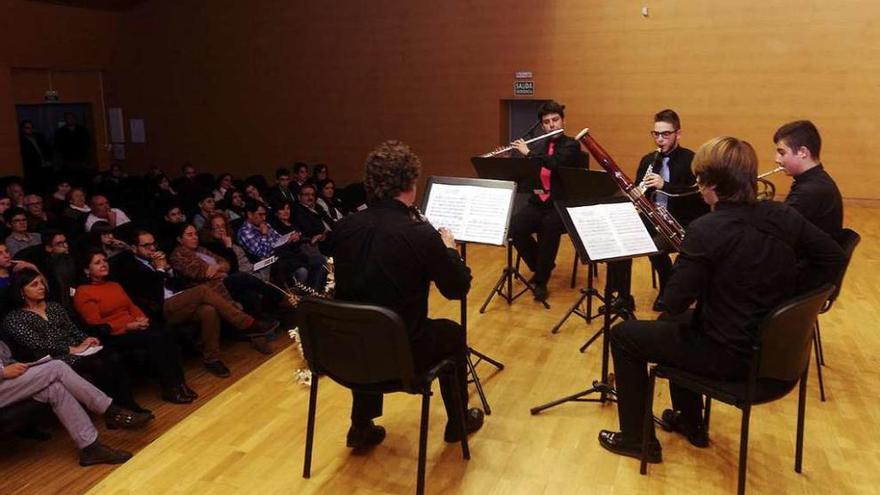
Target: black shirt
(815,196)
(384,257)
(566,153)
(742,260)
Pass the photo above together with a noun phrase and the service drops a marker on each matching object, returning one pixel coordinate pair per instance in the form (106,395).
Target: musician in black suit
(814,194)
(539,216)
(670,174)
(385,256)
(737,263)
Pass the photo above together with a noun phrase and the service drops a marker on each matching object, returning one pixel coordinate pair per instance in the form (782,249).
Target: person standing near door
(36,155)
(73,144)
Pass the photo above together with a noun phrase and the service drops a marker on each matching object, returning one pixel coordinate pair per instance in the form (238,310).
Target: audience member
(57,201)
(300,177)
(39,328)
(319,173)
(19,238)
(36,156)
(217,236)
(328,204)
(73,144)
(101,210)
(281,190)
(224,185)
(205,210)
(15,192)
(233,203)
(54,382)
(103,302)
(149,281)
(38,219)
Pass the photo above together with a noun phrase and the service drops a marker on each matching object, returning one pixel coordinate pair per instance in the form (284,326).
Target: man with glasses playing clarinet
(539,216)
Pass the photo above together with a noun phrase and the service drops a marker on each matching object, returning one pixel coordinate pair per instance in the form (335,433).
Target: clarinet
(665,223)
(650,170)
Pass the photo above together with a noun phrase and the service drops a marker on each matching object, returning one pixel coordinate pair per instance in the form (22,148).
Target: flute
(508,148)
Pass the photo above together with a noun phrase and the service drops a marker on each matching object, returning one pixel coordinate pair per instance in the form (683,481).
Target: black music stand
(583,187)
(454,208)
(522,171)
(610,315)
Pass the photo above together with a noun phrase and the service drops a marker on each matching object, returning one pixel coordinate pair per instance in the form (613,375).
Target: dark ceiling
(112,5)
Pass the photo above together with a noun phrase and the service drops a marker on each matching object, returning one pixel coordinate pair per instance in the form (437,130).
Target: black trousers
(540,255)
(106,369)
(253,294)
(163,355)
(674,343)
(439,340)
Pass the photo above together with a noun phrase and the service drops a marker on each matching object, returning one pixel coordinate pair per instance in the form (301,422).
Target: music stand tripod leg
(572,310)
(475,379)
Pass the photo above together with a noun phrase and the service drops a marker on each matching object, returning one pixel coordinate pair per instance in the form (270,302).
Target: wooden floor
(249,438)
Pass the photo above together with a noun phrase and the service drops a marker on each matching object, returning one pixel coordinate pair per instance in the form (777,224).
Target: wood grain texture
(249,439)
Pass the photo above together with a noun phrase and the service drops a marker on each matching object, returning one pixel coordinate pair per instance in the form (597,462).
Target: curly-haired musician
(737,263)
(384,256)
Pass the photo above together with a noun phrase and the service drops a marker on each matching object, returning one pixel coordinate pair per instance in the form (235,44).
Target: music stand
(522,171)
(476,211)
(593,232)
(582,186)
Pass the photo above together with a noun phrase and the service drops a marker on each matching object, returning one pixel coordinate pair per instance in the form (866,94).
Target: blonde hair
(729,164)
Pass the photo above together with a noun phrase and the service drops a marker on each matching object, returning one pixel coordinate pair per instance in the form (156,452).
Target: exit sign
(524,88)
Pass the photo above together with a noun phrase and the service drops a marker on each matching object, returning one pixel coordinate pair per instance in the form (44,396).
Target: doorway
(70,156)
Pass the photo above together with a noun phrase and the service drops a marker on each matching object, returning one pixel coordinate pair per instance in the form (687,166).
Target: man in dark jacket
(385,257)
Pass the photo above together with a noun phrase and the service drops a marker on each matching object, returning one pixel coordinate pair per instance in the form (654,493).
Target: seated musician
(539,216)
(669,176)
(737,263)
(385,257)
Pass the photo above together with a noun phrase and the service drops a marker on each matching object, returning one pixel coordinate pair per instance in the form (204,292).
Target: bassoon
(659,217)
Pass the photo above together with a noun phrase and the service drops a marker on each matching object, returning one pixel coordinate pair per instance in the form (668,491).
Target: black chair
(365,348)
(848,241)
(780,360)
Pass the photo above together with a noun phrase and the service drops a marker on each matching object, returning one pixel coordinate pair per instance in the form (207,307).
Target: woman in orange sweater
(101,301)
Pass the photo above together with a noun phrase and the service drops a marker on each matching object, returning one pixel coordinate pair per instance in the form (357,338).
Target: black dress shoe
(364,437)
(98,453)
(185,390)
(217,368)
(473,421)
(116,417)
(176,396)
(614,441)
(541,291)
(658,305)
(672,421)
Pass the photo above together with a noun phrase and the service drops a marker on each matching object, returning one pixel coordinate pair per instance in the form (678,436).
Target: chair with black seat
(848,241)
(366,348)
(780,360)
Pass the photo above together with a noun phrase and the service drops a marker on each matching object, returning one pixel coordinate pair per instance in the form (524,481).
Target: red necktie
(545,173)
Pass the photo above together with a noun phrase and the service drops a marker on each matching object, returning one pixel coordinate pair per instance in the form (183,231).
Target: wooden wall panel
(247,87)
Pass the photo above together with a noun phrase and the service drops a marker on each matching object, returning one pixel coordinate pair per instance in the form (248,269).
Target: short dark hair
(279,204)
(319,167)
(19,281)
(308,185)
(49,234)
(800,133)
(729,164)
(391,169)
(282,172)
(669,116)
(136,234)
(181,227)
(550,106)
(253,206)
(9,214)
(85,258)
(299,166)
(101,227)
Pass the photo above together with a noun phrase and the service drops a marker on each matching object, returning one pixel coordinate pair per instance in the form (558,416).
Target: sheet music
(472,213)
(282,240)
(611,230)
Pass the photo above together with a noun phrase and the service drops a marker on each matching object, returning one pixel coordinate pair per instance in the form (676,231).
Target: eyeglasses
(665,134)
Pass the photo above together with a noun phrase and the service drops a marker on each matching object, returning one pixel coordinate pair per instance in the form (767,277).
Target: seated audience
(328,204)
(38,219)
(300,177)
(166,229)
(54,382)
(101,210)
(307,218)
(282,211)
(206,208)
(188,187)
(162,190)
(148,280)
(319,173)
(103,302)
(233,204)
(57,201)
(8,266)
(15,192)
(76,212)
(19,237)
(216,236)
(281,190)
(224,185)
(39,328)
(252,193)
(102,237)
